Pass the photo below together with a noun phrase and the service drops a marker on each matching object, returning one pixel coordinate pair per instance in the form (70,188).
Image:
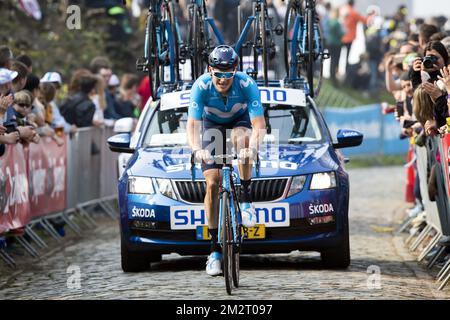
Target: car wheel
(137,261)
(338,257)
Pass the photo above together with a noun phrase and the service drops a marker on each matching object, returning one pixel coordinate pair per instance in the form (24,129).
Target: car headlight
(297,184)
(166,188)
(324,180)
(140,185)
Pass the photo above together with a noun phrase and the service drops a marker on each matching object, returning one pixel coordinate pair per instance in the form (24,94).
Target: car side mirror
(120,143)
(123,125)
(348,138)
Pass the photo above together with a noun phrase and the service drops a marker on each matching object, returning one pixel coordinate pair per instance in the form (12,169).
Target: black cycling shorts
(212,131)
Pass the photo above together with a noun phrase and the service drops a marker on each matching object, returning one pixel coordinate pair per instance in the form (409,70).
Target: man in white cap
(58,120)
(6,100)
(53,77)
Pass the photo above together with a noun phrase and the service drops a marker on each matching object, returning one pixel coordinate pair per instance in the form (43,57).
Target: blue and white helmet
(223,57)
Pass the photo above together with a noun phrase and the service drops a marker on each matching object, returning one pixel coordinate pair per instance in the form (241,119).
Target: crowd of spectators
(33,106)
(417,74)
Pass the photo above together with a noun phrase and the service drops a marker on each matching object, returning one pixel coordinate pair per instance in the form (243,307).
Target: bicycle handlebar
(221,157)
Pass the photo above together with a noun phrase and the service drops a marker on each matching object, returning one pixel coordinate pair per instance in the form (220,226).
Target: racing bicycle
(161,52)
(303,44)
(231,232)
(263,42)
(199,42)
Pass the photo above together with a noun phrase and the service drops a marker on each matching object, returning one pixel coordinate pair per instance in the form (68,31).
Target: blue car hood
(285,160)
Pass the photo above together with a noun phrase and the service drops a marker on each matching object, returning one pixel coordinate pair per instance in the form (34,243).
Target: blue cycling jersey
(243,96)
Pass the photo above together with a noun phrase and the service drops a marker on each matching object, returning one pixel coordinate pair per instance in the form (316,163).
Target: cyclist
(224,100)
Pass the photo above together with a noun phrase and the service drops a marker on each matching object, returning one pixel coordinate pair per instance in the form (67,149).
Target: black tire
(338,257)
(176,49)
(310,62)
(136,261)
(153,57)
(227,246)
(236,246)
(255,44)
(196,37)
(262,29)
(294,8)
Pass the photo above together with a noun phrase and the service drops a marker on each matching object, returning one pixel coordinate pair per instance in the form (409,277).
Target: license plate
(256,232)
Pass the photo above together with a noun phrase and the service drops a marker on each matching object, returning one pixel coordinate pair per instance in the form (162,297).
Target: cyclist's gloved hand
(246,154)
(203,155)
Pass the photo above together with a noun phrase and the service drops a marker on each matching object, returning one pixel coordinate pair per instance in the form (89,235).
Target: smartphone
(408,123)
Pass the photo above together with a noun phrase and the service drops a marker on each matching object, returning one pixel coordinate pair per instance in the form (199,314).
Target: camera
(429,61)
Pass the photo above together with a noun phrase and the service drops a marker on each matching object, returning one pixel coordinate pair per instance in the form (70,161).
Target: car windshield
(289,124)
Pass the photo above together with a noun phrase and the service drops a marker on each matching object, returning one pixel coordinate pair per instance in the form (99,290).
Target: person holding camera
(427,69)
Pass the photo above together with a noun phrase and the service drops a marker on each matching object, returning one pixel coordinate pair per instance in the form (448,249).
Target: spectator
(6,57)
(26,60)
(423,109)
(47,93)
(22,109)
(79,109)
(374,48)
(32,85)
(351,19)
(128,97)
(426,31)
(446,43)
(144,91)
(21,79)
(54,78)
(101,66)
(6,100)
(419,73)
(99,100)
(334,43)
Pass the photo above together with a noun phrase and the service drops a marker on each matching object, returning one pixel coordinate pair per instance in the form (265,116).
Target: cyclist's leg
(240,136)
(212,133)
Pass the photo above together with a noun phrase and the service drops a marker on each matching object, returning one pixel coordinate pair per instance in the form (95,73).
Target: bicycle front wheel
(227,242)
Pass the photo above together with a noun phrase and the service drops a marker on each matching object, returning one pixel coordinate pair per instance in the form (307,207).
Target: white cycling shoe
(214,264)
(248,214)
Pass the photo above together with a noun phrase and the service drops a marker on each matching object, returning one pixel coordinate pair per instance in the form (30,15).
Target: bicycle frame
(164,42)
(299,47)
(209,21)
(235,218)
(258,42)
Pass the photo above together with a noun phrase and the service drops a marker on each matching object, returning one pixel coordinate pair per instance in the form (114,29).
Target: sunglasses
(224,75)
(24,105)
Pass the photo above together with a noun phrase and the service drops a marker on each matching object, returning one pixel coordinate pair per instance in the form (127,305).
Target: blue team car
(301,190)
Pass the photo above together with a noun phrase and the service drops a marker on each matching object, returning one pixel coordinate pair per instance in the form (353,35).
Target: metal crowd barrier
(91,183)
(437,211)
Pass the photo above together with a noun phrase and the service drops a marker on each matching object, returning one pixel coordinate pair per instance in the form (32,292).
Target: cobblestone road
(376,203)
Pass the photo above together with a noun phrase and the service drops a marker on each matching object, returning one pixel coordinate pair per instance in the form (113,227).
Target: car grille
(261,190)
